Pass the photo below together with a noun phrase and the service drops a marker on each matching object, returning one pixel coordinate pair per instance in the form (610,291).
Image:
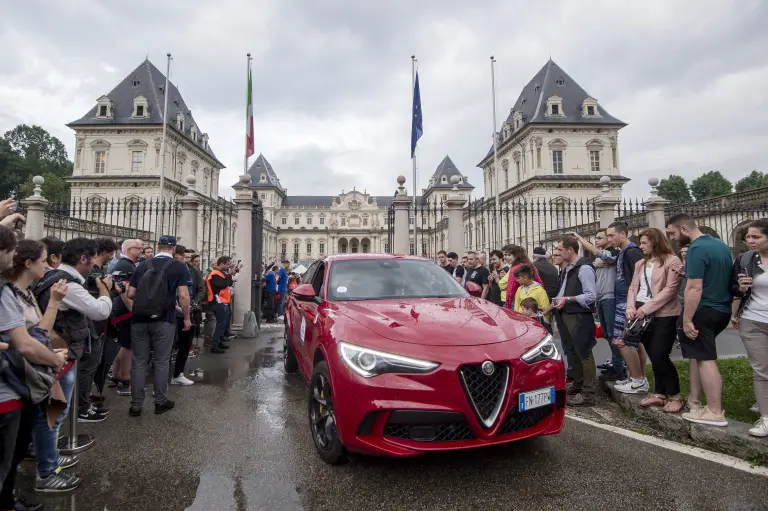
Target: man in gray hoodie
(605,268)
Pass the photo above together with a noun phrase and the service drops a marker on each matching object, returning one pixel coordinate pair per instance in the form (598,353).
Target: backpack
(153,300)
(627,266)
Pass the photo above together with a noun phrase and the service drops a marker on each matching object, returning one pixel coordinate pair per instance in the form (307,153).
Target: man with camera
(122,307)
(77,314)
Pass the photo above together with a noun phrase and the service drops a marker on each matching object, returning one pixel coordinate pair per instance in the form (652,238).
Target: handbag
(637,327)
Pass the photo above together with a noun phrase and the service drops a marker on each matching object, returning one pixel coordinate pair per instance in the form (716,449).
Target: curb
(733,439)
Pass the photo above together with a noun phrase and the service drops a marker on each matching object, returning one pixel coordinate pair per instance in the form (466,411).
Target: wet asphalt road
(238,440)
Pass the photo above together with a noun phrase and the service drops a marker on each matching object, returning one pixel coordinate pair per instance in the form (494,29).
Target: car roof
(368,256)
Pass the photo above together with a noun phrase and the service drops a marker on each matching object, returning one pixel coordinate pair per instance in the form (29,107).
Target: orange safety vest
(224,295)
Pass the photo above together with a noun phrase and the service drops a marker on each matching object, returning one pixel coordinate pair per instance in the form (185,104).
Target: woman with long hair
(750,314)
(515,256)
(653,292)
(28,265)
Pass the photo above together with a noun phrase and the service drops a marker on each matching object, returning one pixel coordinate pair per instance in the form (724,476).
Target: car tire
(290,364)
(325,436)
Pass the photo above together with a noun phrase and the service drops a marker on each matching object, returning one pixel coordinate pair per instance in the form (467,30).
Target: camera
(120,281)
(90,282)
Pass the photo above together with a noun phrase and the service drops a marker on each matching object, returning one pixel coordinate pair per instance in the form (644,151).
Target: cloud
(332,79)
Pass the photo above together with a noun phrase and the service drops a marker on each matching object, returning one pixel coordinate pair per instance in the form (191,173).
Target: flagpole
(413,160)
(495,148)
(166,93)
(247,118)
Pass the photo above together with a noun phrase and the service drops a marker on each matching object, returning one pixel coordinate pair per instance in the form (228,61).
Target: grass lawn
(738,392)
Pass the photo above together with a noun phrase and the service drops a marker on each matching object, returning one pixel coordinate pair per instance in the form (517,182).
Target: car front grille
(519,421)
(485,392)
(445,432)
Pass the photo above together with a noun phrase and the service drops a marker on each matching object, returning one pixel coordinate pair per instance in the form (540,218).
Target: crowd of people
(643,298)
(70,308)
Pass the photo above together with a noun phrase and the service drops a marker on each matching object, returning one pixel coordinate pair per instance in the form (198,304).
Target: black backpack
(152,300)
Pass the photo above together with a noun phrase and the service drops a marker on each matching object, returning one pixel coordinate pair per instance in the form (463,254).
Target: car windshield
(378,279)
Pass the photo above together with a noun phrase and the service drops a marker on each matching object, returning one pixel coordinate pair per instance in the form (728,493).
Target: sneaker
(23,505)
(218,350)
(570,389)
(134,412)
(761,428)
(103,410)
(693,405)
(579,400)
(706,416)
(57,482)
(755,408)
(91,416)
(608,364)
(67,461)
(632,386)
(168,405)
(611,375)
(182,380)
(123,390)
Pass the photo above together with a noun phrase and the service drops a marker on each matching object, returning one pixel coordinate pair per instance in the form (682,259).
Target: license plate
(536,398)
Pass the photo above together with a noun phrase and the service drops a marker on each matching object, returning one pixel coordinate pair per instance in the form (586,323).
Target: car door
(310,327)
(298,312)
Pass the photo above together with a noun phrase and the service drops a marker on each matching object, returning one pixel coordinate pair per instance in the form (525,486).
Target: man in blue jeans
(282,288)
(605,269)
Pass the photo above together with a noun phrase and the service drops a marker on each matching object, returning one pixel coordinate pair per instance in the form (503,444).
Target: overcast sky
(332,93)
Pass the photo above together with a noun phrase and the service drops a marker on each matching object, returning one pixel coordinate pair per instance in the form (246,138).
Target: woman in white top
(29,266)
(750,314)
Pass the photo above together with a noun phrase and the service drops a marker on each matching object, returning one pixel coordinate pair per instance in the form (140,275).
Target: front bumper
(408,414)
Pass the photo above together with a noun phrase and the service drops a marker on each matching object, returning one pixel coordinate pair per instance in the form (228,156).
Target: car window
(310,273)
(317,281)
(376,279)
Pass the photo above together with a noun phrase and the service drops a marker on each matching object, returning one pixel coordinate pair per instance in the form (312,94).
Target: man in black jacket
(547,271)
(574,305)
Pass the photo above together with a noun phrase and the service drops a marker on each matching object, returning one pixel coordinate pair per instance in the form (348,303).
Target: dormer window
(443,180)
(263,178)
(104,108)
(518,120)
(560,81)
(140,107)
(205,141)
(193,133)
(589,108)
(180,121)
(555,106)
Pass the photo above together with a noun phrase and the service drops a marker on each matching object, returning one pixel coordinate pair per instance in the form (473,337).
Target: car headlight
(369,363)
(545,350)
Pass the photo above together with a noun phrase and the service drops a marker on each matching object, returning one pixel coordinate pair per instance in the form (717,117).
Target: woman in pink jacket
(654,292)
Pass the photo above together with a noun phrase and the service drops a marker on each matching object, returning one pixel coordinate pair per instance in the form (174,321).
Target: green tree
(674,189)
(711,184)
(28,151)
(755,180)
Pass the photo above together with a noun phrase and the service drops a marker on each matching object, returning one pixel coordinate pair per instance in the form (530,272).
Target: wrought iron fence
(135,218)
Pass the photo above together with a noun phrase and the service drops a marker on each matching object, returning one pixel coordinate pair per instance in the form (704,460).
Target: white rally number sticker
(303,330)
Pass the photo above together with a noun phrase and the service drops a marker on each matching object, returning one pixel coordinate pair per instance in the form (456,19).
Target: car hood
(437,321)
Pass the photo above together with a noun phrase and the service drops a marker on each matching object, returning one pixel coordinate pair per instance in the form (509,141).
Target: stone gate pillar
(189,214)
(35,225)
(244,202)
(454,207)
(606,204)
(402,204)
(655,206)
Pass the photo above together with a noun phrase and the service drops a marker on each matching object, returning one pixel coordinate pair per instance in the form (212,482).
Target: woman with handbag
(652,310)
(29,266)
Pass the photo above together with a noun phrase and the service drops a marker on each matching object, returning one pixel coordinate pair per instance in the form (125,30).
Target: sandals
(674,405)
(654,400)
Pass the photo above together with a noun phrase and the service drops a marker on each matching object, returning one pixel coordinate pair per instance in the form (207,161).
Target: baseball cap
(167,241)
(539,251)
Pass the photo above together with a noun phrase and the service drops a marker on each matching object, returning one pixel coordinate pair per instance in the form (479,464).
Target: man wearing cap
(155,333)
(547,271)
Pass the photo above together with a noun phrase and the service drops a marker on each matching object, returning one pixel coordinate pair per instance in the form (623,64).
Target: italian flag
(249,146)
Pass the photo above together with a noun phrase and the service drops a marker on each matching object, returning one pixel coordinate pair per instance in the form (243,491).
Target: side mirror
(304,292)
(473,289)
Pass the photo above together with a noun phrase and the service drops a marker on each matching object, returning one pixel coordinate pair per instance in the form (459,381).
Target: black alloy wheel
(322,418)
(289,357)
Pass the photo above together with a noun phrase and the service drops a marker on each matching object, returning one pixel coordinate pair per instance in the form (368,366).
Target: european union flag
(416,128)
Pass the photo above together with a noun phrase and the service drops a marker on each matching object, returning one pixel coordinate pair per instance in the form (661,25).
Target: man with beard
(706,313)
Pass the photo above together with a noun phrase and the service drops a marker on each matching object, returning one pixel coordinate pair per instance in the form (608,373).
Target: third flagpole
(166,93)
(413,159)
(495,181)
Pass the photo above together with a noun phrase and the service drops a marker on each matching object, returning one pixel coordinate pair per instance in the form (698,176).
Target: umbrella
(300,269)
(108,354)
